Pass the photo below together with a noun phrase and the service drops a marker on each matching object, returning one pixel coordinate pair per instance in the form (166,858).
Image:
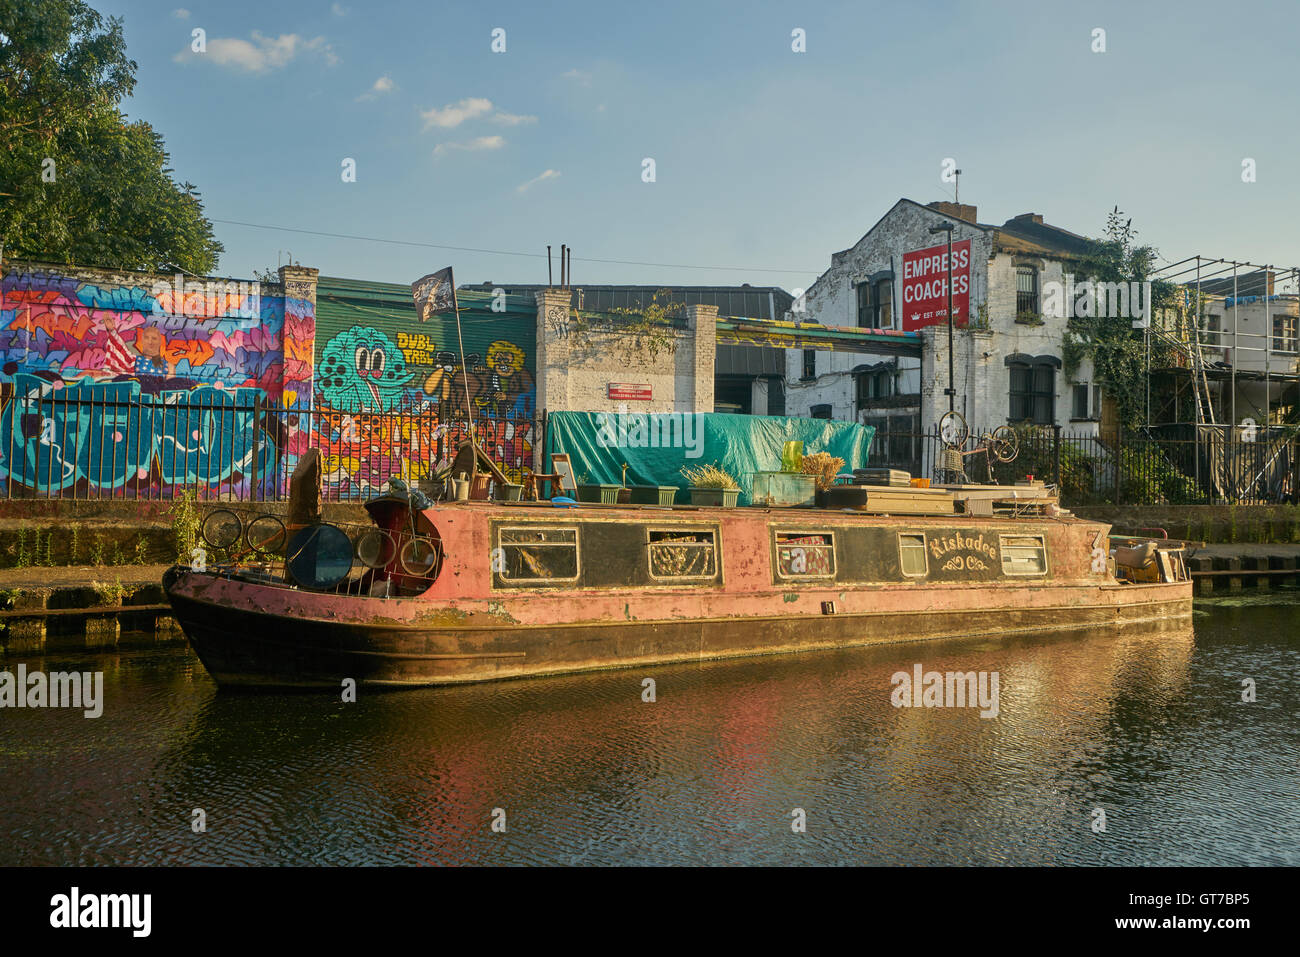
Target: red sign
(925,285)
(637,391)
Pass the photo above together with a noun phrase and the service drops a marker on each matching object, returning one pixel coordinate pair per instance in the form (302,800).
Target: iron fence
(1180,465)
(232,447)
(77,444)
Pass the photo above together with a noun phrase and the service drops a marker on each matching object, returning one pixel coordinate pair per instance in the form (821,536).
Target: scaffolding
(1203,342)
(1232,322)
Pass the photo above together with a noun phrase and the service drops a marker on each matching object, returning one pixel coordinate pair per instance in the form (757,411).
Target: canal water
(1150,729)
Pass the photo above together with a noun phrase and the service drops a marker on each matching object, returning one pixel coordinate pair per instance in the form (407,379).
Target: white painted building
(1007,359)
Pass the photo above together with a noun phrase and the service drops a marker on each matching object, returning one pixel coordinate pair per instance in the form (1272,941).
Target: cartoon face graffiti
(362,370)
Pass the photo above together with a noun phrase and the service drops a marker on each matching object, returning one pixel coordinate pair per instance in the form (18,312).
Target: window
(538,555)
(1087,402)
(800,555)
(820,412)
(810,363)
(1033,393)
(875,385)
(683,554)
(1284,333)
(885,304)
(876,304)
(911,554)
(1023,555)
(1027,290)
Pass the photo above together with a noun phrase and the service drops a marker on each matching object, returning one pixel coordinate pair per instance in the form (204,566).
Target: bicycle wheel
(221,528)
(953,430)
(265,535)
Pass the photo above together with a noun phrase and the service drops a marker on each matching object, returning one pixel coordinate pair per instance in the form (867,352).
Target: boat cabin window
(803,555)
(539,554)
(1023,555)
(911,554)
(683,554)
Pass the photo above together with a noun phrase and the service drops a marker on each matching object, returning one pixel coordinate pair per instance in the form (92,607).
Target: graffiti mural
(362,370)
(132,384)
(64,329)
(394,396)
(110,437)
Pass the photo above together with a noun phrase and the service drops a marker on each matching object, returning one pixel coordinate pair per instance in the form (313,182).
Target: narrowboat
(449,592)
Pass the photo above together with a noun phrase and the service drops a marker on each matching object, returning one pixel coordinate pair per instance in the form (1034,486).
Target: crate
(894,478)
(783,489)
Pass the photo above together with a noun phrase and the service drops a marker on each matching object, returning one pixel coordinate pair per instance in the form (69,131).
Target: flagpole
(464,369)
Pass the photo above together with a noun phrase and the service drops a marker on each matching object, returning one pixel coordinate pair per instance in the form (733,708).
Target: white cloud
(381,86)
(339,10)
(476,144)
(262,53)
(581,77)
(547,174)
(512,119)
(181,14)
(454,114)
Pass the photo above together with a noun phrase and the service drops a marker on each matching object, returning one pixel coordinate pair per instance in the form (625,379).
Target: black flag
(434,293)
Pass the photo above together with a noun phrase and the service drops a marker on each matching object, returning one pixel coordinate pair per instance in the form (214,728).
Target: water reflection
(1148,726)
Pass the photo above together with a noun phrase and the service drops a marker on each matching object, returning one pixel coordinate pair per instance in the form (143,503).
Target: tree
(78,181)
(1117,350)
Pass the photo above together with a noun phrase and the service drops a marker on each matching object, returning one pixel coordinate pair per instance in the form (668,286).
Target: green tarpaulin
(656,447)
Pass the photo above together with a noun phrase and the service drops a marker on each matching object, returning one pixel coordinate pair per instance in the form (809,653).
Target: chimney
(955,210)
(1028,218)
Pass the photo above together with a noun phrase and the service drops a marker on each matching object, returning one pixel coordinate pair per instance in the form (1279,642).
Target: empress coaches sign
(925,285)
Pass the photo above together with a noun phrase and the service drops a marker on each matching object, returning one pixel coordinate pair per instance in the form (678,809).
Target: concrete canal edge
(84,608)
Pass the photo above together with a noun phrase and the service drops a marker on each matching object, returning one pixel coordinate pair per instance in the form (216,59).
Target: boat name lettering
(963,543)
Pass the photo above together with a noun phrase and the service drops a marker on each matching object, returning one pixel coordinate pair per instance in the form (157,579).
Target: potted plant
(824,468)
(711,485)
(624,493)
(653,494)
(603,493)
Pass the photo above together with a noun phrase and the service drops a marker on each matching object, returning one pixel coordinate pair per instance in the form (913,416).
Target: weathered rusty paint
(471,626)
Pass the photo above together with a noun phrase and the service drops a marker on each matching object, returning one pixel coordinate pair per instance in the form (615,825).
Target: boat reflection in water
(584,770)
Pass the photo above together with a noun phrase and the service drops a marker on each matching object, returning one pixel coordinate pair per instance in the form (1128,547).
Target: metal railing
(1183,465)
(70,444)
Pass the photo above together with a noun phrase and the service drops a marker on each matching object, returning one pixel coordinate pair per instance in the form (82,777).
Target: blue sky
(766,159)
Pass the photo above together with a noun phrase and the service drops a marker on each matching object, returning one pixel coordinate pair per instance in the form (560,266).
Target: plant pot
(716,497)
(604,494)
(624,496)
(478,490)
(509,493)
(654,494)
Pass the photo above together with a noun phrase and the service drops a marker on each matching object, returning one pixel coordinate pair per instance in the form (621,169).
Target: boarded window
(683,555)
(805,556)
(911,552)
(1023,555)
(539,554)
